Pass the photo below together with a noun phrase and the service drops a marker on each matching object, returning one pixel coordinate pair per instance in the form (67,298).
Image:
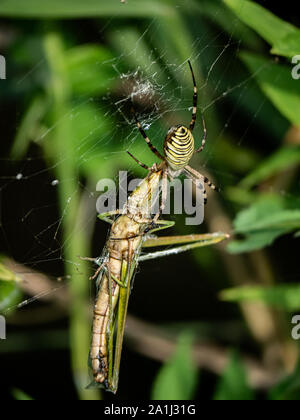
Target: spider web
(31,234)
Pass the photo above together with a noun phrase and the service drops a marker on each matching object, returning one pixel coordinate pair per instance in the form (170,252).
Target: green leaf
(88,73)
(21,395)
(7,275)
(285,219)
(288,45)
(262,223)
(177,379)
(255,241)
(289,388)
(233,385)
(285,297)
(9,291)
(246,219)
(29,128)
(282,35)
(59,9)
(282,159)
(9,294)
(277,83)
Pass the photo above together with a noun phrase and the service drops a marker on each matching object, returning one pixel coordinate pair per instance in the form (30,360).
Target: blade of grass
(177,379)
(274,30)
(29,127)
(76,243)
(233,384)
(59,9)
(21,395)
(277,83)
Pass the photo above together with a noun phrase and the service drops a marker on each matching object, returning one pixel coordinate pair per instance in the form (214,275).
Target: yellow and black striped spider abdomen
(179,147)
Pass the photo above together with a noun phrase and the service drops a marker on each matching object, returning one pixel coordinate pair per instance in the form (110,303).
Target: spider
(179,147)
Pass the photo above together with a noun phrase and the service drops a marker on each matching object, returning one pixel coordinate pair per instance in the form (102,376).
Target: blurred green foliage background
(65,124)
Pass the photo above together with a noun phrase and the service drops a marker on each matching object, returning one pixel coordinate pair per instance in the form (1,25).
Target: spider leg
(196,183)
(152,148)
(204,137)
(211,185)
(139,162)
(197,175)
(195,99)
(194,115)
(205,196)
